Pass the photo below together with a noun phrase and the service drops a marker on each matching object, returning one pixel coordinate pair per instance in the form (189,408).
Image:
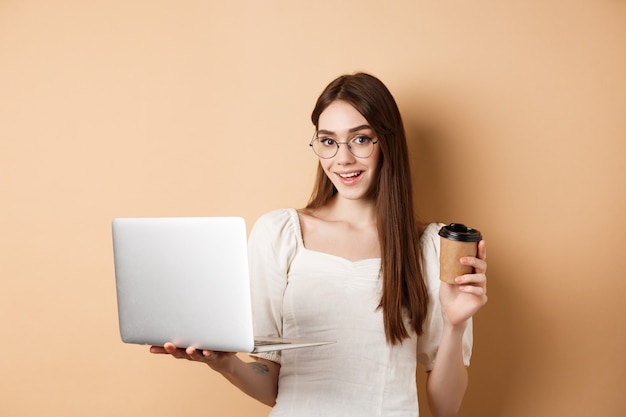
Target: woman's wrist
(225,365)
(454,330)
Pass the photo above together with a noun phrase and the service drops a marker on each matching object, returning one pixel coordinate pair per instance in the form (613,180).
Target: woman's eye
(327,141)
(362,140)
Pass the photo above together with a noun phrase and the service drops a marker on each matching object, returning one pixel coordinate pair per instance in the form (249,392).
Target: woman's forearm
(447,382)
(258,379)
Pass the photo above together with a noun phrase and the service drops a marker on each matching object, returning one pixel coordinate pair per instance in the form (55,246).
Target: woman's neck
(359,213)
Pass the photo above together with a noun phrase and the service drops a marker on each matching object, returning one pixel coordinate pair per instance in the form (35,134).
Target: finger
(200,354)
(170,347)
(472,279)
(176,352)
(482,250)
(209,354)
(158,350)
(474,289)
(193,354)
(479,265)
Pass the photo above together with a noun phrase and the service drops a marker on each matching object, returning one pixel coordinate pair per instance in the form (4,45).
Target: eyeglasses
(360,146)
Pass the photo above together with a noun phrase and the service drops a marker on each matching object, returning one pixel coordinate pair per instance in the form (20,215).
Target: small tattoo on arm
(259,368)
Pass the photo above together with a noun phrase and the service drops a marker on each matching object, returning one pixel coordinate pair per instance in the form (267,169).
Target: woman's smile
(349,177)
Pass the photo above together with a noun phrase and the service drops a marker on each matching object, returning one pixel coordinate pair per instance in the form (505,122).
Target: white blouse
(301,293)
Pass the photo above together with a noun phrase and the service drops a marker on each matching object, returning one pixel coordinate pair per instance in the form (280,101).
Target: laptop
(185,280)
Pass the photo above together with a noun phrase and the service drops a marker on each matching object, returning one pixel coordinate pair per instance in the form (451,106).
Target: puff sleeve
(272,244)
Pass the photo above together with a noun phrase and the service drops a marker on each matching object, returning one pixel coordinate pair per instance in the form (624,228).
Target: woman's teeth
(350,175)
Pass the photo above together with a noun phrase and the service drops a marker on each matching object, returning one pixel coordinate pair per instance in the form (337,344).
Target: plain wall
(515,117)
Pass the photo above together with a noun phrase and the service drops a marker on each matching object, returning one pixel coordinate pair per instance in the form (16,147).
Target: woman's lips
(349,177)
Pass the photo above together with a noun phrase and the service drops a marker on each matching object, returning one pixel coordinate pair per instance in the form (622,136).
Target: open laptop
(185,280)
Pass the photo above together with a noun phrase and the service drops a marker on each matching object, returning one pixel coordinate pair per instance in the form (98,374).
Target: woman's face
(352,176)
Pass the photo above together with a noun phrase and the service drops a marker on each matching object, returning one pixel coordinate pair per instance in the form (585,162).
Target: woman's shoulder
(279,222)
(429,240)
(277,217)
(431,230)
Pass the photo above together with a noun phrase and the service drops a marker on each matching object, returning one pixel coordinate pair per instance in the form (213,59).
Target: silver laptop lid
(183,280)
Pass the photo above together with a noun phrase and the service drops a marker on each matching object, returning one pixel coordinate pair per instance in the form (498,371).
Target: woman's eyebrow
(362,127)
(351,130)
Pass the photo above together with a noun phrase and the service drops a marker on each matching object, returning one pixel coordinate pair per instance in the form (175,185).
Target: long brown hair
(403,285)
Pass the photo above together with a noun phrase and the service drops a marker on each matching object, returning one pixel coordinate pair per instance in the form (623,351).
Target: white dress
(301,293)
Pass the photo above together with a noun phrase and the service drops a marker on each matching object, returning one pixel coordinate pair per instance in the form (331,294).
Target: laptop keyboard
(269,342)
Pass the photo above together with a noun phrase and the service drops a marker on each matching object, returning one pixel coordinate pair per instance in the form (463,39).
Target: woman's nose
(343,154)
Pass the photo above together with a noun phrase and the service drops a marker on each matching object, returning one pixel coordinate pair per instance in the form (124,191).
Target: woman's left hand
(460,302)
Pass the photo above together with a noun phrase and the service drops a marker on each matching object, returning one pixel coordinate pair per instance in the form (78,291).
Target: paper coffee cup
(457,241)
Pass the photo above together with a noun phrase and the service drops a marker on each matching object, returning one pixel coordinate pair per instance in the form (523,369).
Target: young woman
(354,266)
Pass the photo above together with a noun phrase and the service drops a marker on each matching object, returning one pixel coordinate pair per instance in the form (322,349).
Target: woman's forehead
(341,117)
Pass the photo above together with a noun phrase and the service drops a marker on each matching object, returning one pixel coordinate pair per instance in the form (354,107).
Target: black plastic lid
(460,233)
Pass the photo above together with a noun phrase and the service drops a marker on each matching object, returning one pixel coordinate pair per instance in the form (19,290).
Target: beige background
(515,114)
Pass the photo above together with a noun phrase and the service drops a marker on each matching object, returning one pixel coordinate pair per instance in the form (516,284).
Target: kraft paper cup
(457,241)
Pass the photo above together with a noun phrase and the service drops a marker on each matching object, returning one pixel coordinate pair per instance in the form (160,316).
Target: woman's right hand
(258,379)
(221,362)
